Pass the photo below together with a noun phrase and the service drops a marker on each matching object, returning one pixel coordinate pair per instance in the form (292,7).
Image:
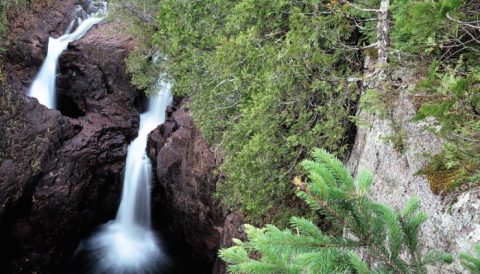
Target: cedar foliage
(387,239)
(455,105)
(267,81)
(137,19)
(446,34)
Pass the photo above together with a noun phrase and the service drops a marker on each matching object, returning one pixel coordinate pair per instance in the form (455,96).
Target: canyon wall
(60,175)
(183,192)
(454,219)
(60,170)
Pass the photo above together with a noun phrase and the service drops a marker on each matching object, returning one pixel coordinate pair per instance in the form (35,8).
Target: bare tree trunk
(383,34)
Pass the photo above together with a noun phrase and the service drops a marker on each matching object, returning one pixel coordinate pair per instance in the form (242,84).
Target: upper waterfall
(43,87)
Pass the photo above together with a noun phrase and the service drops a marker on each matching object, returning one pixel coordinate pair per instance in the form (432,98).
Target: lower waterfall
(127,244)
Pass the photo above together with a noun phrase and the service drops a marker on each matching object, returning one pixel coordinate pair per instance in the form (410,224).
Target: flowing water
(43,87)
(127,244)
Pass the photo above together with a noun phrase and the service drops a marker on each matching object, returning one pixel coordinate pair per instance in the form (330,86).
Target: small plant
(455,105)
(6,8)
(376,231)
(470,262)
(384,104)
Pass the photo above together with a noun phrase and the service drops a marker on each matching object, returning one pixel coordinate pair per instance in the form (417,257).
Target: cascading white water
(127,244)
(43,87)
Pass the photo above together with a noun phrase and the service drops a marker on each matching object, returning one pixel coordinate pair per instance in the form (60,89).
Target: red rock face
(60,176)
(183,192)
(28,37)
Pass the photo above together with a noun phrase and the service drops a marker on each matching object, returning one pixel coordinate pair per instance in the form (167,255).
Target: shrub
(455,104)
(266,83)
(387,240)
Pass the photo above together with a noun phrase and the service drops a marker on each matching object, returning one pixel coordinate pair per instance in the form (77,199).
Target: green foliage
(142,70)
(266,83)
(137,19)
(470,262)
(267,80)
(421,26)
(374,230)
(7,7)
(440,31)
(455,104)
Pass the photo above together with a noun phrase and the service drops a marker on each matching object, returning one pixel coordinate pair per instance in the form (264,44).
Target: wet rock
(88,6)
(29,33)
(183,192)
(93,78)
(59,175)
(184,183)
(60,170)
(232,228)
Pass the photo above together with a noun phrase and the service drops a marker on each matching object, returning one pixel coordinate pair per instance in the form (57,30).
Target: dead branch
(462,23)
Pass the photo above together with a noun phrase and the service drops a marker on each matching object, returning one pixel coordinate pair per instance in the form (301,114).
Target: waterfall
(127,244)
(43,87)
(135,204)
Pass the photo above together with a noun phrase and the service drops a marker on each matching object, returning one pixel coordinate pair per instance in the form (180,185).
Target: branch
(461,22)
(471,35)
(383,38)
(142,16)
(359,8)
(359,48)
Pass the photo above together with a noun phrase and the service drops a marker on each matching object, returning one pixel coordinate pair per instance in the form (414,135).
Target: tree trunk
(383,32)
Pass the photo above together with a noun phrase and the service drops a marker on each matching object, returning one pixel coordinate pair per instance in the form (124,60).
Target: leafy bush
(137,19)
(445,33)
(421,26)
(387,240)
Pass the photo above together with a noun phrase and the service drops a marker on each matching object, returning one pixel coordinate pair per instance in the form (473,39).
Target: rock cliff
(60,175)
(60,170)
(454,220)
(183,193)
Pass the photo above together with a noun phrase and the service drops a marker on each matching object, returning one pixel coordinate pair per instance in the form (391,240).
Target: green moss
(7,10)
(443,179)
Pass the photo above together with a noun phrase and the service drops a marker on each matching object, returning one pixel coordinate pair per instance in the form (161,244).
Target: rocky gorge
(61,170)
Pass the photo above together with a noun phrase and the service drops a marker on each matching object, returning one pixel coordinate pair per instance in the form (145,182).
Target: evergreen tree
(368,237)
(470,262)
(267,81)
